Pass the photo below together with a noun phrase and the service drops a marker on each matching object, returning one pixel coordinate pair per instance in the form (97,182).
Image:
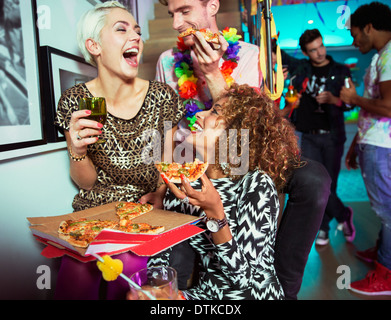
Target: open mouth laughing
(131,55)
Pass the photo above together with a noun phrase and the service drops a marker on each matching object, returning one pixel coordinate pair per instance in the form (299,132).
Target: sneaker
(369,255)
(376,283)
(347,227)
(322,239)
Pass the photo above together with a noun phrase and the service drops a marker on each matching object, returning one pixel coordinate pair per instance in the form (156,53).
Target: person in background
(320,121)
(288,107)
(237,256)
(110,39)
(371,29)
(308,187)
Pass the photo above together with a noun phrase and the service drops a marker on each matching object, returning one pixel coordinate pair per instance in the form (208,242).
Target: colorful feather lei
(187,81)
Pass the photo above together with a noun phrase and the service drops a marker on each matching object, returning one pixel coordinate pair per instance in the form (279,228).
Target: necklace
(187,82)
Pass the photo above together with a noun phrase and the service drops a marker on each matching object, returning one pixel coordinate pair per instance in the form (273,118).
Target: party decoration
(187,82)
(110,268)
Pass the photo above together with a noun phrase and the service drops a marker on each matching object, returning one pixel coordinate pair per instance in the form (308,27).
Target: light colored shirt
(375,129)
(248,70)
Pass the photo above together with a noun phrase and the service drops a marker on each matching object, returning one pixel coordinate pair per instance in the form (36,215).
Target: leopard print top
(125,162)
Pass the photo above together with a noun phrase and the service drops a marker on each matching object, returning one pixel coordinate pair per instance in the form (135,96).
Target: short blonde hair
(91,25)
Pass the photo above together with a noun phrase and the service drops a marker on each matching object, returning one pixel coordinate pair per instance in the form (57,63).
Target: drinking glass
(160,281)
(319,109)
(97,105)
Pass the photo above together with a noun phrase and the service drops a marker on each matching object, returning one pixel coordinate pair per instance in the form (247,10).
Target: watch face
(212,225)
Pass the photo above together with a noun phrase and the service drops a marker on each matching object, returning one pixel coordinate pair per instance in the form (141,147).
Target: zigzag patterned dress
(243,268)
(124,173)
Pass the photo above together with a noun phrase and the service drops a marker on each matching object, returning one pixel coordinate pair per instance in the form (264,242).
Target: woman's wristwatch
(214,225)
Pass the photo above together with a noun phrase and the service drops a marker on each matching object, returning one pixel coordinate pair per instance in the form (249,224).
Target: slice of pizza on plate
(81,232)
(144,228)
(127,211)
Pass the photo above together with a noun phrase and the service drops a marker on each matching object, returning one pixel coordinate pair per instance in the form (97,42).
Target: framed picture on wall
(21,121)
(60,71)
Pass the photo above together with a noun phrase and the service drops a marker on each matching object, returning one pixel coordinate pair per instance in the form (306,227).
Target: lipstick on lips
(198,128)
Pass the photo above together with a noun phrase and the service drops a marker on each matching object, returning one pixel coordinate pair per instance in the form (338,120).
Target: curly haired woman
(239,201)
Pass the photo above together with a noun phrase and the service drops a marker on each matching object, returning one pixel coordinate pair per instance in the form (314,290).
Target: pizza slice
(209,36)
(143,228)
(191,170)
(131,210)
(81,232)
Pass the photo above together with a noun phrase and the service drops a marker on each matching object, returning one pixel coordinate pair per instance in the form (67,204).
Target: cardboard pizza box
(178,227)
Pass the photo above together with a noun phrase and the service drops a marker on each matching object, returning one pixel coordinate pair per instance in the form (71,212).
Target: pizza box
(178,227)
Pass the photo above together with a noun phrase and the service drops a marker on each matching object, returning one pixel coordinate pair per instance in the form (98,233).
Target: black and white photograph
(60,71)
(20,115)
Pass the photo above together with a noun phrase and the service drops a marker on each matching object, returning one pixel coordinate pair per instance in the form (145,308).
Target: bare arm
(351,156)
(208,60)
(327,97)
(82,172)
(156,198)
(208,199)
(381,107)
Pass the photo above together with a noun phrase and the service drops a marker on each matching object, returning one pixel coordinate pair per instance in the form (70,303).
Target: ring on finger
(185,200)
(78,137)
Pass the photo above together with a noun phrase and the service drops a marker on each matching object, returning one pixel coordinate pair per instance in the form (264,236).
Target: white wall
(32,186)
(35,181)
(146,12)
(64,15)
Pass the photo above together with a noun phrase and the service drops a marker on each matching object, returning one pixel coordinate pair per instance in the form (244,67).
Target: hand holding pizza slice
(211,37)
(191,170)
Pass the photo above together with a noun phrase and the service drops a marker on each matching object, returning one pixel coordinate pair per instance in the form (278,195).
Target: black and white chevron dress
(242,268)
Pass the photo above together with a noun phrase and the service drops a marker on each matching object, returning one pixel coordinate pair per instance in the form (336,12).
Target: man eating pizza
(308,188)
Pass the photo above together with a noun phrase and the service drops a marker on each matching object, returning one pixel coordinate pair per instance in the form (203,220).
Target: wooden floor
(320,276)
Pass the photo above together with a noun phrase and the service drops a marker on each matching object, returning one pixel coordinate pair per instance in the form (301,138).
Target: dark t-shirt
(306,118)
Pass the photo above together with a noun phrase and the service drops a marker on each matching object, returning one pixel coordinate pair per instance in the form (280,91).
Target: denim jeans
(375,163)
